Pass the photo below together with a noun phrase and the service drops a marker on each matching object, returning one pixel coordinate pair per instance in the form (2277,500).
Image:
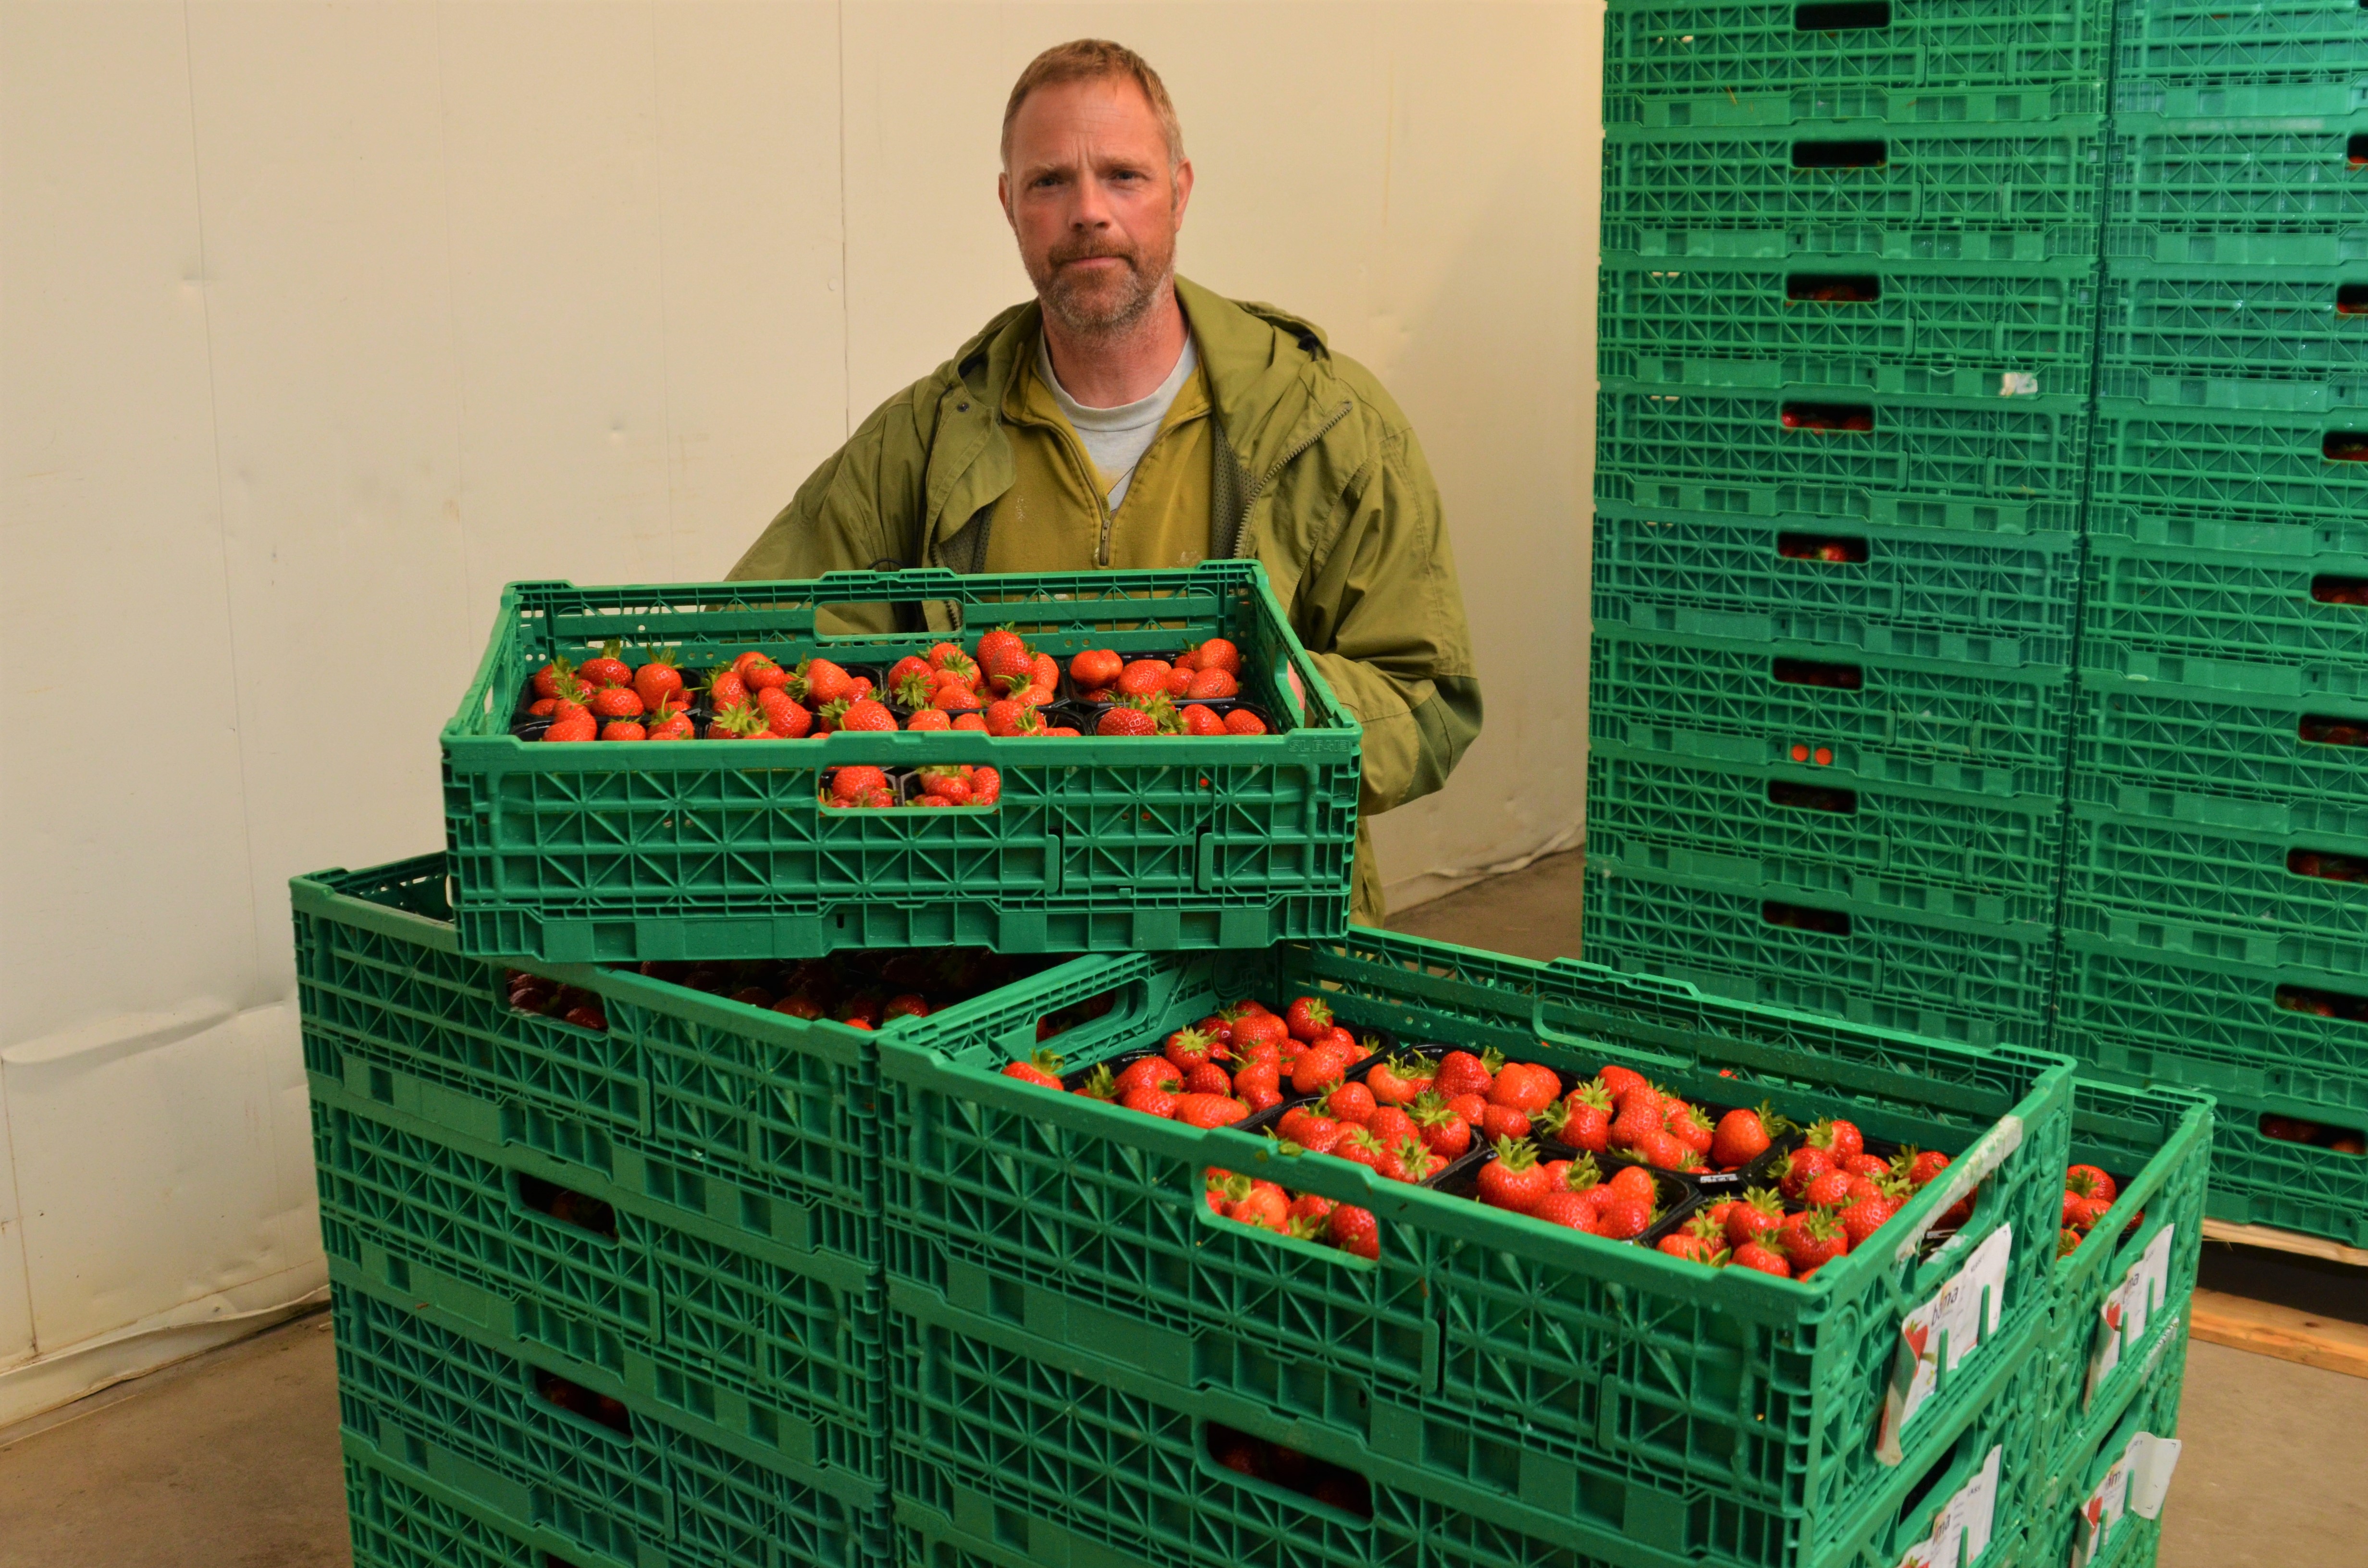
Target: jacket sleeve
(1383,614)
(861,508)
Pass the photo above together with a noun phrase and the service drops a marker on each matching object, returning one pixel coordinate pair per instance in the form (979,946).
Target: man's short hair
(1092,60)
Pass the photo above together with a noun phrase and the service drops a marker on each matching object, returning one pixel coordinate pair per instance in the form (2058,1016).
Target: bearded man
(1129,418)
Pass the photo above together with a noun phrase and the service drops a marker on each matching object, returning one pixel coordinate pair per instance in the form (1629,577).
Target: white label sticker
(1953,1323)
(2019,383)
(1961,1530)
(2122,1320)
(2135,1484)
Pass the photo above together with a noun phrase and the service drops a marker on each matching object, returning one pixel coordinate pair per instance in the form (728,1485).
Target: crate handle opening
(2351,299)
(2356,150)
(1801,917)
(1334,1485)
(567,1206)
(2327,588)
(1861,154)
(2328,864)
(1840,550)
(1833,289)
(2332,730)
(1834,419)
(2322,1004)
(1814,672)
(1849,15)
(1812,798)
(2345,447)
(577,1400)
(2297,1130)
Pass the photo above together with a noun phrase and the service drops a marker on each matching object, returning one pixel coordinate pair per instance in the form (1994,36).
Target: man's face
(1093,203)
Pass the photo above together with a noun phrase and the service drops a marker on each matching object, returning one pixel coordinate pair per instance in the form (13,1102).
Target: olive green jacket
(1317,475)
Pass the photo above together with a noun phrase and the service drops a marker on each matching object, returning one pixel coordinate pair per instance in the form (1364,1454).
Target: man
(1129,418)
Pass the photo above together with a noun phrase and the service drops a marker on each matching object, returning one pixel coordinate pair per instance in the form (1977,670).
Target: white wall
(320,322)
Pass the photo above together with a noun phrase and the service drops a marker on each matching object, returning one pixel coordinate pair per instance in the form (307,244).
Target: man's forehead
(1105,115)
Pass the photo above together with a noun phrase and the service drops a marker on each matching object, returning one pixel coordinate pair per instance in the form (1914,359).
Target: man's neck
(1111,372)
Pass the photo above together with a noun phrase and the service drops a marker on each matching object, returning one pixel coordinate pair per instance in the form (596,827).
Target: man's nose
(1093,208)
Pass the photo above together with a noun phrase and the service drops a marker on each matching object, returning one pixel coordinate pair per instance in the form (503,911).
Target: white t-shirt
(1116,439)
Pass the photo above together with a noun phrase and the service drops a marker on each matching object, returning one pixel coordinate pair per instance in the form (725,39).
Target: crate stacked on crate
(594,1092)
(2216,903)
(1847,328)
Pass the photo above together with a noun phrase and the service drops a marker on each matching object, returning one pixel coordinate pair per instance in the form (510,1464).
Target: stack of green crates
(2215,915)
(1847,325)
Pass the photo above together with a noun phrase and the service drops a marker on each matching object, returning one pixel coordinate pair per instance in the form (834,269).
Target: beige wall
(318,322)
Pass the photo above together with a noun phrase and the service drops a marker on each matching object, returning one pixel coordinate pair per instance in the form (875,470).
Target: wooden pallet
(2267,1329)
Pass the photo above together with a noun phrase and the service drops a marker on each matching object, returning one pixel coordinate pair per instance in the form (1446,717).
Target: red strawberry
(986,786)
(2068,1242)
(1398,1080)
(1561,1206)
(1142,677)
(1356,1231)
(606,669)
(1754,1215)
(1126,721)
(1694,1246)
(1461,1072)
(953,698)
(1874,1168)
(1265,1206)
(1350,1102)
(846,783)
(1919,1165)
(1682,1122)
(1188,1048)
(1389,1123)
(819,681)
(1810,1239)
(860,715)
(1751,1254)
(1503,1122)
(1312,1206)
(1525,1086)
(2090,1182)
(1837,1138)
(929,719)
(1043,1070)
(725,688)
(1253,1029)
(1306,1018)
(1209,1110)
(1633,1181)
(1150,1072)
(548,679)
(1211,686)
(1201,720)
(1410,1159)
(1096,668)
(1741,1138)
(1656,1148)
(1254,1077)
(1617,1080)
(1242,722)
(1586,1118)
(1216,654)
(1317,1068)
(1470,1107)
(676,727)
(1865,1217)
(617,702)
(1624,1217)
(1361,1148)
(624,730)
(1207,1078)
(1513,1178)
(1446,1132)
(1316,1134)
(657,680)
(784,713)
(1149,1100)
(908,668)
(2086,1211)
(1830,1189)
(1799,1167)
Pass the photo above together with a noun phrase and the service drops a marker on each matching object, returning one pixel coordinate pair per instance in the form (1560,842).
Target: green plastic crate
(2226,466)
(2157,1144)
(1789,826)
(1977,728)
(2264,534)
(1013,1450)
(400,1517)
(749,1127)
(2000,452)
(2178,887)
(478,1240)
(1913,593)
(1982,983)
(1924,59)
(2055,1522)
(2283,612)
(416,1399)
(1950,329)
(1855,188)
(2237,758)
(2310,1187)
(2231,1028)
(1686,1411)
(2208,43)
(695,850)
(2251,187)
(2235,336)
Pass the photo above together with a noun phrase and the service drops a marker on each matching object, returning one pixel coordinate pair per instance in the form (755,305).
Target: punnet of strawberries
(999,686)
(1613,1155)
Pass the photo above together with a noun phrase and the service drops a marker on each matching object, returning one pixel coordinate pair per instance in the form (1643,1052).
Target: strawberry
(2090,1182)
(967,722)
(1216,654)
(1755,1215)
(1741,1138)
(1096,668)
(906,669)
(860,715)
(1830,1189)
(998,640)
(617,702)
(1315,1134)
(1447,1133)
(1355,1230)
(1874,1168)
(1865,1217)
(1150,1072)
(1617,1080)
(1623,1217)
(1242,722)
(1799,1167)
(1561,1206)
(1839,1139)
(1350,1102)
(1126,721)
(1149,1100)
(1811,1239)
(762,675)
(783,714)
(1461,1072)
(1513,1178)
(908,1005)
(1656,1148)
(1212,686)
(1259,1082)
(1312,1206)
(986,787)
(1411,1160)
(1752,1255)
(1633,1181)
(819,681)
(1264,1207)
(725,689)
(1142,677)
(951,698)
(946,656)
(1685,1124)
(1209,1110)
(1201,721)
(929,719)
(607,669)
(1317,1068)
(846,783)
(1043,1070)
(1207,1078)
(1399,1080)
(1188,1048)
(1586,1118)
(952,786)
(1525,1086)
(674,727)
(2083,1213)
(1254,1029)
(1503,1122)
(624,730)
(659,679)
(1306,1018)
(2068,1242)
(1693,1245)
(549,679)
(1919,1165)
(583,728)
(1389,1123)
(1010,669)
(1359,1147)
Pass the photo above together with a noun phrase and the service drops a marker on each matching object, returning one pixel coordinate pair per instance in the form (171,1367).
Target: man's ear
(1003,199)
(1184,186)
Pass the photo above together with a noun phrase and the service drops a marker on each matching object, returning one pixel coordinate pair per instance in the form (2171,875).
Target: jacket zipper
(1241,533)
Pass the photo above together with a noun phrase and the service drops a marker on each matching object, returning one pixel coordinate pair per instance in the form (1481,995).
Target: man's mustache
(1063,255)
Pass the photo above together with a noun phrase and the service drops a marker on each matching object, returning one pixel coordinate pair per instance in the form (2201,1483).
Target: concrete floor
(231,1461)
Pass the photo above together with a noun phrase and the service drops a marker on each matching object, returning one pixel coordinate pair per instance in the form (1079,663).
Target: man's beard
(1102,304)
